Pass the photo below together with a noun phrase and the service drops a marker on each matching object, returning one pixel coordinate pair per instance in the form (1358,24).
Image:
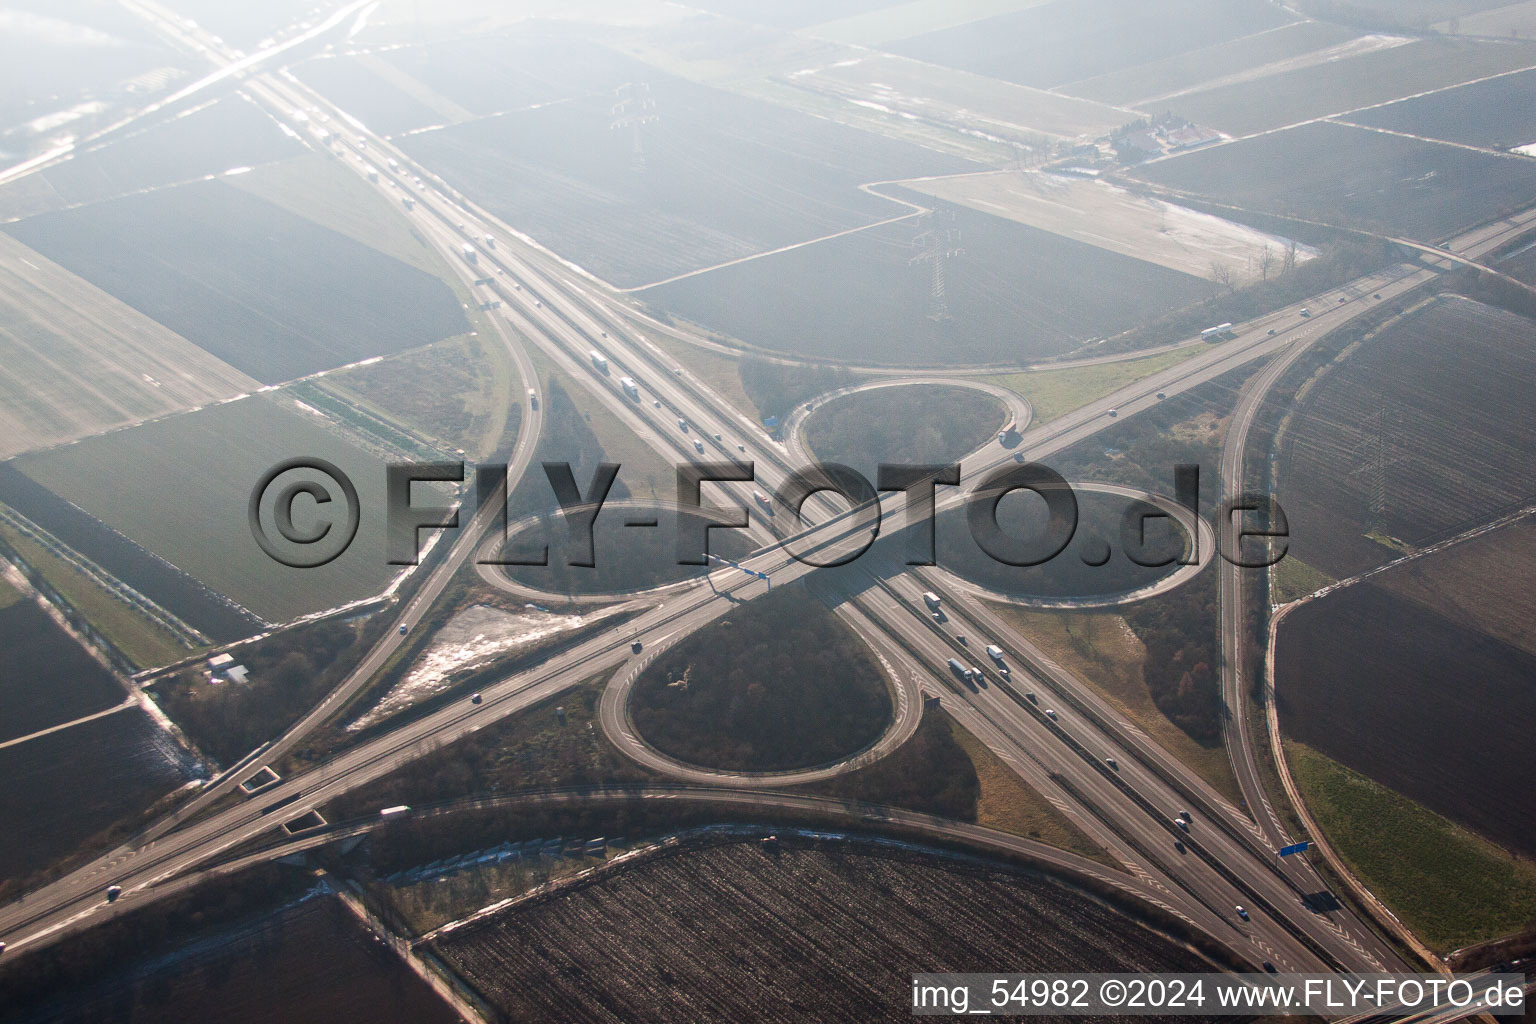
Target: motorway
(1129,809)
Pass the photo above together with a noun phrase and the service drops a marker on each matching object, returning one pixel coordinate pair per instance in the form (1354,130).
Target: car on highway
(404,629)
(1269,968)
(113,892)
(1305,312)
(1113,413)
(1376,295)
(636,646)
(1030,696)
(1178,844)
(698,446)
(1018,456)
(961,638)
(1242,913)
(1184,825)
(1112,763)
(474,698)
(1162,394)
(682,425)
(1050,714)
(1271,332)
(533,399)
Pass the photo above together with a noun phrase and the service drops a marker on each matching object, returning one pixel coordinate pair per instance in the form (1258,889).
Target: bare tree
(1288,261)
(1265,261)
(1221,273)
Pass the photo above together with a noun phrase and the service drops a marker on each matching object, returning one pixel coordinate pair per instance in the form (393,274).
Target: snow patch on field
(1357,47)
(1110,217)
(471,640)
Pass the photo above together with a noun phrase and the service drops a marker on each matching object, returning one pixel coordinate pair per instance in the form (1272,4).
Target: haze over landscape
(463,541)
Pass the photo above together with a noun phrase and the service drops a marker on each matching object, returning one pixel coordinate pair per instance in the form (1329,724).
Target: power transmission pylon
(634,108)
(1373,455)
(937,240)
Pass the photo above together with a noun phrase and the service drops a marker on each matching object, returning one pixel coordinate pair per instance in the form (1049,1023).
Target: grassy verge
(721,372)
(1451,887)
(466,406)
(644,472)
(1295,579)
(1010,804)
(9,595)
(1054,393)
(1102,650)
(142,641)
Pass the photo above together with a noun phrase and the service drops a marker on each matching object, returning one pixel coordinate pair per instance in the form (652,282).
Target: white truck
(630,388)
(995,653)
(931,600)
(490,242)
(1215,333)
(470,255)
(763,502)
(598,360)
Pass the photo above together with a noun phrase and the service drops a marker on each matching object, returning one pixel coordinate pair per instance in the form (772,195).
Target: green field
(1450,887)
(1054,393)
(141,641)
(1294,578)
(179,487)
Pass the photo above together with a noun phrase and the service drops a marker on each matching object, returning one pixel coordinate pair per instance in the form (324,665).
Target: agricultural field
(1068,40)
(272,294)
(45,676)
(79,362)
(1446,390)
(1497,112)
(357,88)
(1068,575)
(208,461)
(59,56)
(906,425)
(708,192)
(320,188)
(1451,887)
(473,403)
(628,558)
(958,98)
(741,933)
(792,14)
(1380,75)
(260,969)
(1437,656)
(1016,294)
(1145,84)
(1502,21)
(63,788)
(1353,177)
(223,136)
(914,17)
(778,684)
(1106,215)
(118,555)
(481,75)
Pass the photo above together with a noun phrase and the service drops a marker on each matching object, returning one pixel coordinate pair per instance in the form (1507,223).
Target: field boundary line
(774,252)
(124,705)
